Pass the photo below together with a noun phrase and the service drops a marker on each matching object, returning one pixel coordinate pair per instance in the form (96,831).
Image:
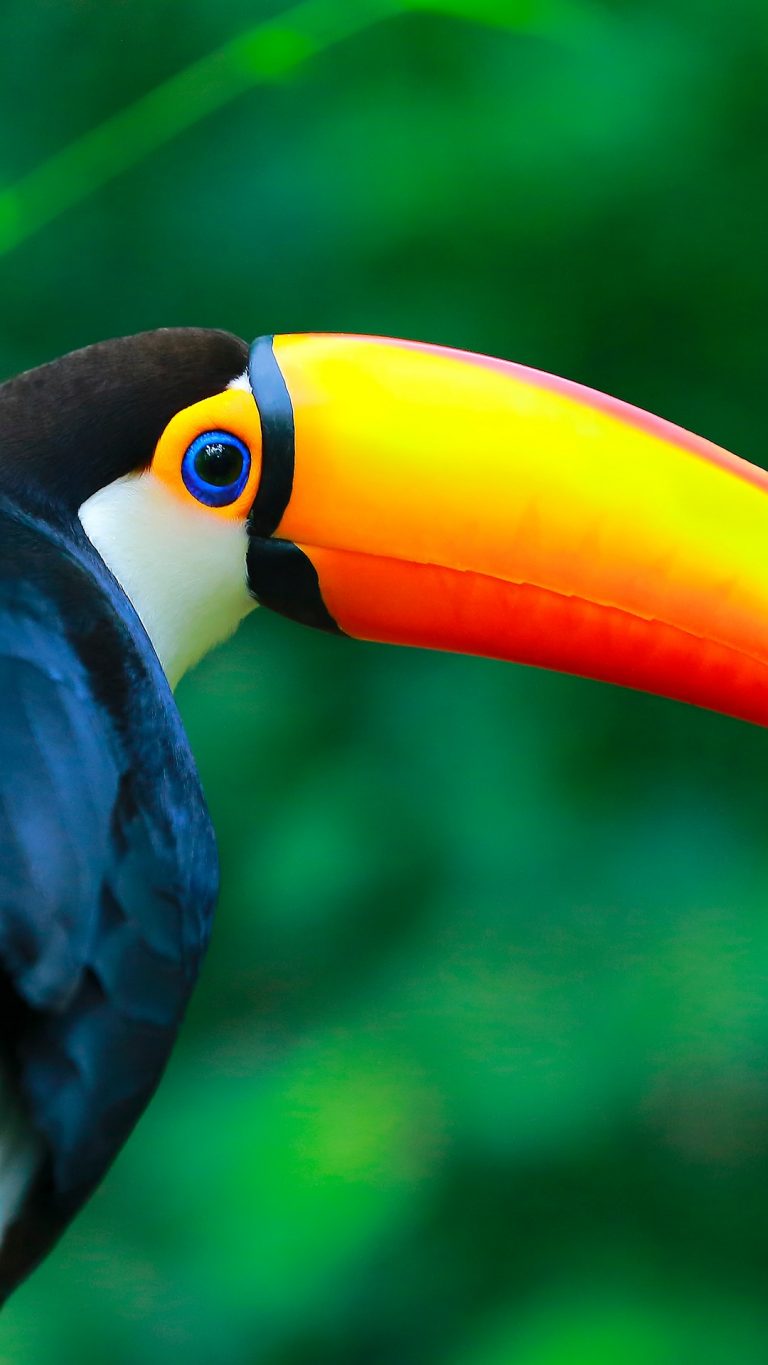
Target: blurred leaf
(268,51)
(618,1328)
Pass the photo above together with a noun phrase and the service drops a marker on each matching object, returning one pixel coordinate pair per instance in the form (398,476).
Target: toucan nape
(153,490)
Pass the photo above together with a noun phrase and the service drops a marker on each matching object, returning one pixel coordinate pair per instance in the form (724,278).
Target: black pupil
(219,463)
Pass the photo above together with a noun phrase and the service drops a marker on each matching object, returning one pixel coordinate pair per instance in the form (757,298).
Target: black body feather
(108,867)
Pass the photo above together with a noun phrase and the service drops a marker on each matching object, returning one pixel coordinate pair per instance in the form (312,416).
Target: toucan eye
(215,468)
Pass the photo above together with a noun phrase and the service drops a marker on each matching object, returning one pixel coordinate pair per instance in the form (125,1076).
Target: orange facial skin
(457,502)
(232,410)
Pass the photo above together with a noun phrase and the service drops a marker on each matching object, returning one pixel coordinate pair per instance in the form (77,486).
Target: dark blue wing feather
(108,868)
(59,779)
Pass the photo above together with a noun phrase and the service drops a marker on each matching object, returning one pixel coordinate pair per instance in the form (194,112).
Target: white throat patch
(182,568)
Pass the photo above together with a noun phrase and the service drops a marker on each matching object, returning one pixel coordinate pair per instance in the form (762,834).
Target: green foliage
(476,1071)
(268,51)
(518,15)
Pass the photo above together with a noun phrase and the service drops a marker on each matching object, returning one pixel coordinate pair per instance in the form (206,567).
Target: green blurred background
(477,1071)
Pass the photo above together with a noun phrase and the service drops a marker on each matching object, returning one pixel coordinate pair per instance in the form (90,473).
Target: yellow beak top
(459,502)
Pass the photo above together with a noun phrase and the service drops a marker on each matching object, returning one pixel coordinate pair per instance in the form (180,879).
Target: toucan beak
(424,496)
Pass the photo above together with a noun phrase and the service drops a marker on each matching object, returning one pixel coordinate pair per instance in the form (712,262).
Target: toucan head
(404,493)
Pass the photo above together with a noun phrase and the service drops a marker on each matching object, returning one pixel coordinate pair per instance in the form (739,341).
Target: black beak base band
(277,438)
(280,575)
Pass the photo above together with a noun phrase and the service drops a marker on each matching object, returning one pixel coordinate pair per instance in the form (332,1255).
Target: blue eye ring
(215,468)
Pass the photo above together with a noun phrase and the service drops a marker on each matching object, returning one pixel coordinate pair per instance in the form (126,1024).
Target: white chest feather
(182,568)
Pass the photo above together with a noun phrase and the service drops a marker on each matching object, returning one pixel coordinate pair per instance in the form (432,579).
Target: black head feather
(78,423)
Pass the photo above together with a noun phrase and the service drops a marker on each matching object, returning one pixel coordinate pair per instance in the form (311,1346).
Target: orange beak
(457,502)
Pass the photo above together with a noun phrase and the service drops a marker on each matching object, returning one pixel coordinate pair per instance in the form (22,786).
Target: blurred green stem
(268,51)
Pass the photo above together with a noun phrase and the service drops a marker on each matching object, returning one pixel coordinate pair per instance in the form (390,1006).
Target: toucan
(154,490)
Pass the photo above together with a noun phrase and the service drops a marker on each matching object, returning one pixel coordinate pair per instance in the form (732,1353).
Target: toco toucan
(153,490)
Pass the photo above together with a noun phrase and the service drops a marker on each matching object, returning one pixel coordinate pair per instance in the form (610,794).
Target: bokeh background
(477,1071)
